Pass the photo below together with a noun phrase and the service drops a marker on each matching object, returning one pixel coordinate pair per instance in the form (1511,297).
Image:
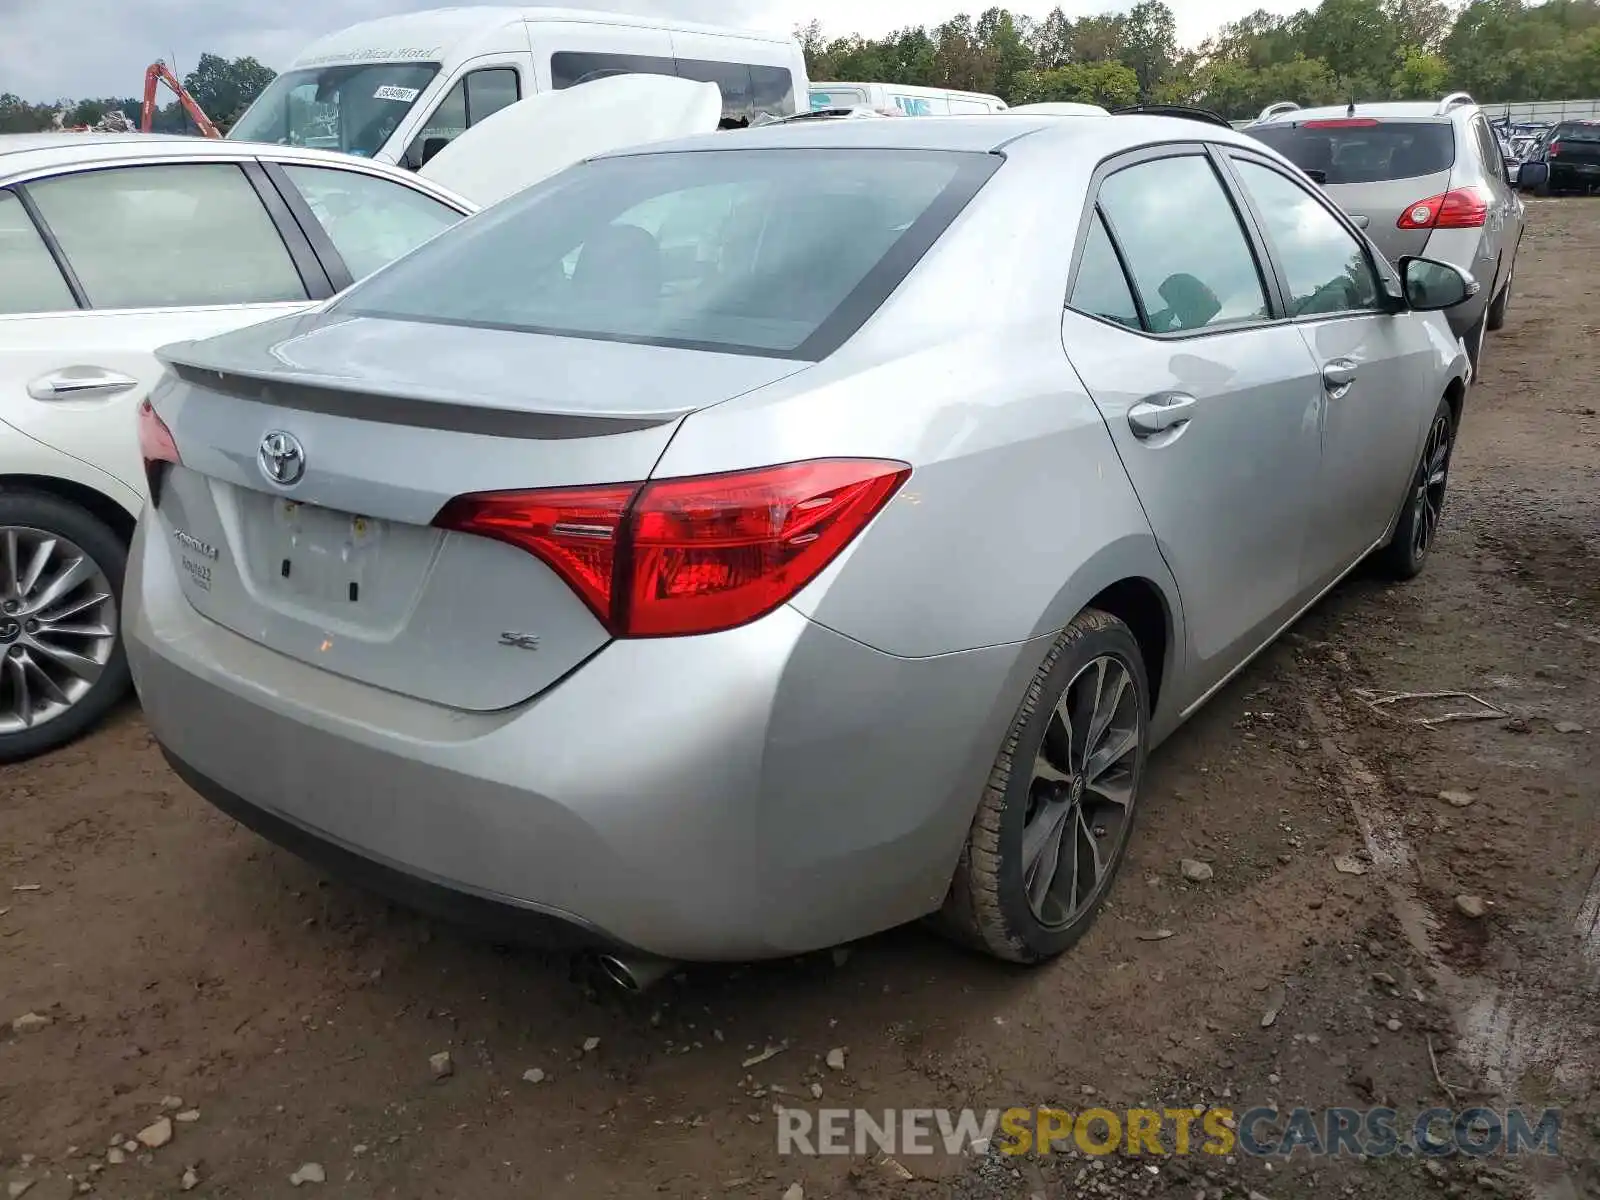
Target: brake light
(1555,149)
(1342,123)
(688,556)
(1463,208)
(156,447)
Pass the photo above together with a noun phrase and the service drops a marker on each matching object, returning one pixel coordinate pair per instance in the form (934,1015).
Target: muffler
(635,974)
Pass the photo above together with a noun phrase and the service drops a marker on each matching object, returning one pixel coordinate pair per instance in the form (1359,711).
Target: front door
(1371,365)
(1213,406)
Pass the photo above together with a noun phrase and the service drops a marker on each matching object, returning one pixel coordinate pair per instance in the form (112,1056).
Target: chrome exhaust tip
(635,975)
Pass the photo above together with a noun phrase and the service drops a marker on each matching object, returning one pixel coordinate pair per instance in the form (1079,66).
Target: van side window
(746,89)
(476,95)
(568,68)
(772,90)
(732,79)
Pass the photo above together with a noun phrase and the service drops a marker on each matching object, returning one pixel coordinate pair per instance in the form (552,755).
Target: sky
(51,49)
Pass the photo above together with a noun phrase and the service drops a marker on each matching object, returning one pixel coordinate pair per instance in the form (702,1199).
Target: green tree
(1149,44)
(1111,84)
(224,88)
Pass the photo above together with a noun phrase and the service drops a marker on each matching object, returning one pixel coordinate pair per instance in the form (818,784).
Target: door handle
(1361,220)
(73,383)
(1159,413)
(1338,375)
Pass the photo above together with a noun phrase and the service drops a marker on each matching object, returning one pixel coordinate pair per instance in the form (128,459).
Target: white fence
(1543,112)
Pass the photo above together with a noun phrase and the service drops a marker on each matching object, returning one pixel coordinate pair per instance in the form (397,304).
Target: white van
(398,89)
(912,101)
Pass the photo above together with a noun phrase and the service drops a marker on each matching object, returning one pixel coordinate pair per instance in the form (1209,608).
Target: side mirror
(431,147)
(1432,286)
(1533,174)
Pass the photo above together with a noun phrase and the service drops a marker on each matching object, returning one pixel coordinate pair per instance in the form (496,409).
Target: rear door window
(29,279)
(168,236)
(1101,289)
(1183,244)
(1362,149)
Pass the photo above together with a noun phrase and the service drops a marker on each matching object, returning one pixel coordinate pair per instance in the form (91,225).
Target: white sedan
(112,245)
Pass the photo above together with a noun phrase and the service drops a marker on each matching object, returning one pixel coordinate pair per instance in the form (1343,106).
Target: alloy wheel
(1433,474)
(1080,803)
(58,626)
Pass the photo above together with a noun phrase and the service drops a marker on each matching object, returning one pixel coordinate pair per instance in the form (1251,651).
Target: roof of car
(1390,110)
(25,154)
(975,134)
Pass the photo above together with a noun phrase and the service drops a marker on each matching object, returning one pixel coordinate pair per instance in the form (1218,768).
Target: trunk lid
(340,568)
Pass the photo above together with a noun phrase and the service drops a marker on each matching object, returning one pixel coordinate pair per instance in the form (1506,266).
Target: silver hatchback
(738,546)
(1425,179)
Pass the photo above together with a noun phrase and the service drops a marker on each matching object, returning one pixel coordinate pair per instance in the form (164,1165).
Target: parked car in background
(1422,179)
(1570,154)
(626,557)
(400,88)
(112,245)
(904,98)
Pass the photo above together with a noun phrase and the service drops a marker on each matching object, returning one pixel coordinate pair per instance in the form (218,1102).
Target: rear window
(1578,132)
(1364,153)
(776,252)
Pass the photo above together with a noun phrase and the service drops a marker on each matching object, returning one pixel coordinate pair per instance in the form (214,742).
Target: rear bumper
(765,791)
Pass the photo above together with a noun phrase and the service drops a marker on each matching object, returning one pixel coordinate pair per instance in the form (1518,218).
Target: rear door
(1213,402)
(1372,169)
(150,254)
(1373,366)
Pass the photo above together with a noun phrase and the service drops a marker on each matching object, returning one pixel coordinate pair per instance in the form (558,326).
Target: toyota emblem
(282,458)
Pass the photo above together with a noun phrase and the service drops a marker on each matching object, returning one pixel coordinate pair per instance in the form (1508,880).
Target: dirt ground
(177,955)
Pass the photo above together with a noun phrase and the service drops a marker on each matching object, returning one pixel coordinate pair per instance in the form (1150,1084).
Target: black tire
(987,906)
(1496,316)
(1414,536)
(46,514)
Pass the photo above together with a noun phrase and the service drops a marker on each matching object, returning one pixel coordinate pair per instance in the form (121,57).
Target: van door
(478,88)
(567,53)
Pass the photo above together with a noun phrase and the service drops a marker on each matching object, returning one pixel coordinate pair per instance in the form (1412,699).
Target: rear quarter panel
(1018,510)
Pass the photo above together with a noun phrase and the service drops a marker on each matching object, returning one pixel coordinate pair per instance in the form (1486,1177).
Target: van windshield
(353,108)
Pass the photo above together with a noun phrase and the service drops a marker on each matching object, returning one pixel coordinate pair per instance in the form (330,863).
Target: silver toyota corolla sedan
(737,546)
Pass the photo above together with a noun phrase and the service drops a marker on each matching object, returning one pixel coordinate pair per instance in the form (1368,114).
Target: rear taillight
(1555,149)
(688,556)
(1463,208)
(156,447)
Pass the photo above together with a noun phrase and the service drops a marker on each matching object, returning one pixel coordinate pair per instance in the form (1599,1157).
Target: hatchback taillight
(687,556)
(1463,208)
(156,447)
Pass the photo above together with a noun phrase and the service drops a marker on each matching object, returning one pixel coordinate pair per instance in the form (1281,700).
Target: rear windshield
(1584,132)
(777,252)
(1364,153)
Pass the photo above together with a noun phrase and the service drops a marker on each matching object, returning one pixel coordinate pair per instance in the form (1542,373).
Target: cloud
(52,49)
